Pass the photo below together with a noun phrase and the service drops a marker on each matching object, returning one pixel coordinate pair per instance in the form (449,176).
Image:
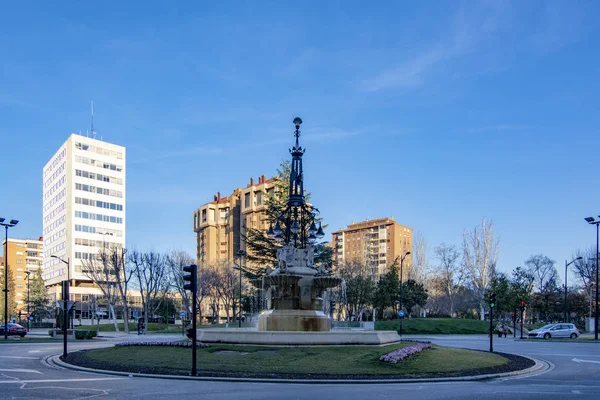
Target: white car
(555,331)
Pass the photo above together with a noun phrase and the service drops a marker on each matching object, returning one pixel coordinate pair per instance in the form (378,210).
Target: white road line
(29,358)
(33,371)
(577,360)
(62,380)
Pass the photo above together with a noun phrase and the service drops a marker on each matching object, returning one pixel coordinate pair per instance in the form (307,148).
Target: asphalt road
(574,373)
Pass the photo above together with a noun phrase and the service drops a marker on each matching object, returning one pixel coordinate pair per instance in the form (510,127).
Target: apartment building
(24,255)
(84,207)
(377,242)
(221,225)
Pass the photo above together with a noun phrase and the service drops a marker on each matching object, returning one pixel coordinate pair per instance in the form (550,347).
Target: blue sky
(435,113)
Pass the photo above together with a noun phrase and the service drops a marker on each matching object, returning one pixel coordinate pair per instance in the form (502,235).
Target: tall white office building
(83,209)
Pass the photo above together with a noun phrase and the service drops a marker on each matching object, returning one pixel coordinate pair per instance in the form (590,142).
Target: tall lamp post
(592,221)
(28,279)
(401,290)
(566,265)
(241,255)
(6,225)
(68,273)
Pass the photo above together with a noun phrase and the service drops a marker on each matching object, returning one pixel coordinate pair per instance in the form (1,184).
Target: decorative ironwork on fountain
(296,286)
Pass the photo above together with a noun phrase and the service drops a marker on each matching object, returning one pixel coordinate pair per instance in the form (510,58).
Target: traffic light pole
(515,323)
(192,286)
(65,293)
(491,329)
(194,333)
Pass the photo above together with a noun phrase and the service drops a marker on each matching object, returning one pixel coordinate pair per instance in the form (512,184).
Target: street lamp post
(6,225)
(68,263)
(401,290)
(591,221)
(566,265)
(28,279)
(240,254)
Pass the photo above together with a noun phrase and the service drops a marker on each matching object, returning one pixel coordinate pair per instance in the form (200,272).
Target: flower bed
(172,344)
(401,354)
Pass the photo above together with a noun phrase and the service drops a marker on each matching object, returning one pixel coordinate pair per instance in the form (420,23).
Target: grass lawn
(436,326)
(152,327)
(344,360)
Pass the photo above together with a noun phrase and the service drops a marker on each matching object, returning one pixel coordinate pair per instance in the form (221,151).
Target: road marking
(577,360)
(575,391)
(29,358)
(62,380)
(34,371)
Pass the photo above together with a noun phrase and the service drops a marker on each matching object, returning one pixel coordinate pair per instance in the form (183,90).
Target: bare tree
(449,273)
(100,271)
(225,286)
(543,270)
(122,275)
(151,276)
(586,267)
(175,262)
(420,266)
(480,253)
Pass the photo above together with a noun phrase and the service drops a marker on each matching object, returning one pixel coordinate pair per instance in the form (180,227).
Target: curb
(539,366)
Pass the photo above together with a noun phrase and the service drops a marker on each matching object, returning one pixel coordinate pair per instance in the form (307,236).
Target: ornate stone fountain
(294,289)
(296,286)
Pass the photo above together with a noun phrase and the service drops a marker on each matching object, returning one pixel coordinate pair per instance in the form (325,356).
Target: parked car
(13,330)
(555,331)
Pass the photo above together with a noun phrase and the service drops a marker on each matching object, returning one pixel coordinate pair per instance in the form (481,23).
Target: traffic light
(492,300)
(332,304)
(192,278)
(523,304)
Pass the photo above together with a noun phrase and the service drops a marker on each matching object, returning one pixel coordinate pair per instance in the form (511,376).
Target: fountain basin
(283,338)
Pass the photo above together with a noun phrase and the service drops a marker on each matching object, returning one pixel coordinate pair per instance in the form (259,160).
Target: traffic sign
(31,318)
(401,313)
(135,314)
(182,314)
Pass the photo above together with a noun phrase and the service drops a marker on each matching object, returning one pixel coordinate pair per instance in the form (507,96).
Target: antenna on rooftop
(92,125)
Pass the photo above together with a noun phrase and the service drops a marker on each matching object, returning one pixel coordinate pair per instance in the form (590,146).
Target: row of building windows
(98,203)
(53,238)
(99,217)
(86,256)
(55,249)
(99,150)
(55,212)
(98,163)
(55,162)
(54,175)
(97,243)
(55,200)
(99,190)
(55,187)
(54,225)
(93,229)
(98,177)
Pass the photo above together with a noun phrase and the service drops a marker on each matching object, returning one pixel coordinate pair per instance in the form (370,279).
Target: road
(574,373)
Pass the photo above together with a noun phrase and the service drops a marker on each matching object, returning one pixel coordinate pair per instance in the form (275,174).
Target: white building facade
(84,209)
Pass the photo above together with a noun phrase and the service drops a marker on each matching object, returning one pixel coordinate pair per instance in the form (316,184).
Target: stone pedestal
(293,320)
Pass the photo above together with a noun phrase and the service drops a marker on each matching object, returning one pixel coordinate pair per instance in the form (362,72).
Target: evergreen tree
(38,296)
(413,294)
(262,250)
(388,291)
(12,303)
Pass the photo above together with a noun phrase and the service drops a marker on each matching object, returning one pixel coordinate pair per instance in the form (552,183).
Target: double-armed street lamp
(566,265)
(6,225)
(592,221)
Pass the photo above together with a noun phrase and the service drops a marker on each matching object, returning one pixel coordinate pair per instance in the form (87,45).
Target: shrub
(83,334)
(401,354)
